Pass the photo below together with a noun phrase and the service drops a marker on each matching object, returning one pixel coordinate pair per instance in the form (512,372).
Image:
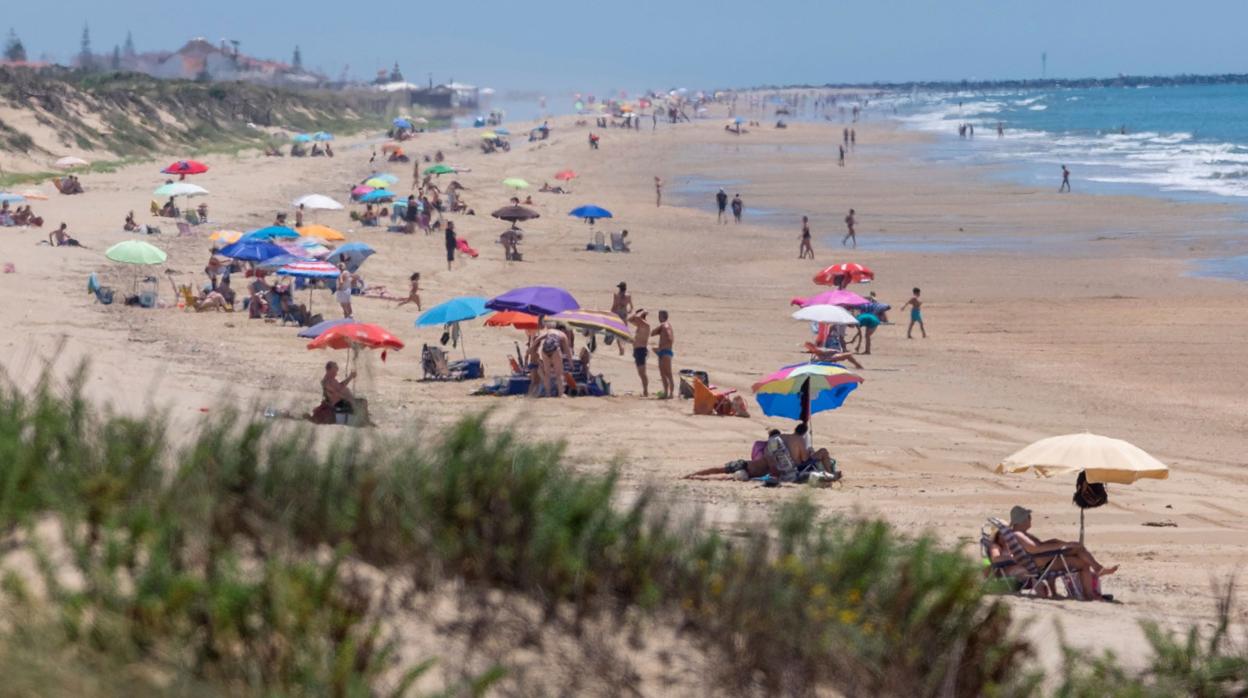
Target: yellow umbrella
(227,237)
(323,232)
(377,183)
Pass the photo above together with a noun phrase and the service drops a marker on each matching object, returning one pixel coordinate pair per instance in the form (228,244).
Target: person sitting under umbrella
(1088,568)
(336,397)
(169,210)
(553,190)
(786,458)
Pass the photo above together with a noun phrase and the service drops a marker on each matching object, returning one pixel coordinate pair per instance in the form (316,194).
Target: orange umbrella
(389,147)
(513,318)
(857,273)
(566,175)
(355,335)
(320,231)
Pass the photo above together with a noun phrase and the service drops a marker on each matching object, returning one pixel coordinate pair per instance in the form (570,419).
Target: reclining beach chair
(600,242)
(618,244)
(707,401)
(103,294)
(1038,572)
(434,364)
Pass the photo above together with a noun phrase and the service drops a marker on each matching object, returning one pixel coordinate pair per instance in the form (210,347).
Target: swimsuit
(664,352)
(916,315)
(640,354)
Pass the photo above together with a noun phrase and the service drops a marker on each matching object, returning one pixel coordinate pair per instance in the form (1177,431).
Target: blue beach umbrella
(738,121)
(322,136)
(302,138)
(402,123)
(271,233)
(590,212)
(454,310)
(252,250)
(7,198)
(377,195)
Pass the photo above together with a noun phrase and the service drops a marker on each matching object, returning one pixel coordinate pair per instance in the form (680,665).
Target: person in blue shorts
(867,322)
(916,315)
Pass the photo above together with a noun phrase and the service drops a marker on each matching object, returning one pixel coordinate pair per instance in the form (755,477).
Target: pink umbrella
(360,190)
(836,297)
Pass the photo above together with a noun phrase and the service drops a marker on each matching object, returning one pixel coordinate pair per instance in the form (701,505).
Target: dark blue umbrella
(319,328)
(271,233)
(535,300)
(252,250)
(590,212)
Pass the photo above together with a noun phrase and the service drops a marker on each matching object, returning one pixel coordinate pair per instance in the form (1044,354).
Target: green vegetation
(254,559)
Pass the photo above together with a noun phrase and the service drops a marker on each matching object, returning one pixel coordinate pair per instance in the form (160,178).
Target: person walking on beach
(840,159)
(1065,187)
(916,314)
(658,191)
(806,248)
(413,293)
(849,225)
(853,138)
(666,339)
(737,207)
(845,137)
(640,349)
(622,305)
(721,202)
(451,243)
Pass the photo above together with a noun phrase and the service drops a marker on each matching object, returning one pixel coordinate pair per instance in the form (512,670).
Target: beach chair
(707,401)
(155,209)
(600,242)
(103,294)
(1038,573)
(434,364)
(184,230)
(618,244)
(187,296)
(192,217)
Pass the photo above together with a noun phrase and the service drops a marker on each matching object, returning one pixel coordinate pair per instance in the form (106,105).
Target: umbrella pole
(1081,510)
(806,407)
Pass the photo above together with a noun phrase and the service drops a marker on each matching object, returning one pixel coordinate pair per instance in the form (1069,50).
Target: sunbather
(1081,560)
(336,397)
(831,355)
(60,237)
(786,459)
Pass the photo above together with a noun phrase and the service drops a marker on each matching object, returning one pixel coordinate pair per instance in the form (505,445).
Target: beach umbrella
(356,336)
(516,214)
(801,390)
(515,183)
(847,299)
(831,314)
(535,300)
(439,169)
(322,136)
(489,135)
(275,263)
(69,162)
(357,252)
(225,237)
(136,252)
(317,202)
(590,212)
(302,138)
(251,250)
(402,122)
(596,321)
(454,310)
(377,183)
(271,232)
(9,198)
(565,175)
(375,196)
(307,248)
(514,318)
(857,274)
(385,177)
(738,121)
(309,269)
(321,328)
(1100,458)
(179,189)
(323,232)
(360,190)
(185,167)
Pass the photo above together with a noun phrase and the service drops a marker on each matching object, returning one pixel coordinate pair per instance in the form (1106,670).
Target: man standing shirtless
(640,350)
(666,339)
(849,225)
(622,305)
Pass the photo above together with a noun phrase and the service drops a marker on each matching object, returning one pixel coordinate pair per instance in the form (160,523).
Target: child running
(916,315)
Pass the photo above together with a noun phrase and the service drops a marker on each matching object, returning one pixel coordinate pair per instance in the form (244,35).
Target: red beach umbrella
(186,167)
(355,335)
(565,176)
(857,274)
(514,318)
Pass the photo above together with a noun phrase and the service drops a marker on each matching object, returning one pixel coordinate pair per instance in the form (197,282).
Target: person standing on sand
(721,202)
(451,243)
(853,138)
(916,314)
(622,305)
(658,191)
(849,225)
(806,247)
(1065,187)
(342,292)
(840,158)
(737,207)
(640,350)
(665,353)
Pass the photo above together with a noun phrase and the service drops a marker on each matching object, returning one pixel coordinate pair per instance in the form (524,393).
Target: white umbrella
(317,202)
(69,162)
(180,189)
(831,314)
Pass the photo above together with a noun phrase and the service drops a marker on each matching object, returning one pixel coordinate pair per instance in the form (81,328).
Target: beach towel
(462,245)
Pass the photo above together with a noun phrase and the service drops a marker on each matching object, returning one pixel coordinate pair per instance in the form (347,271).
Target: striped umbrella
(800,390)
(594,320)
(310,270)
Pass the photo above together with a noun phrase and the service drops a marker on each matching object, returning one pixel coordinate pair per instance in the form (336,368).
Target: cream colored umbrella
(1101,459)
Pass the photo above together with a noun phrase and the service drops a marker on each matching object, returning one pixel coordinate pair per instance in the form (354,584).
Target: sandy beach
(1047,314)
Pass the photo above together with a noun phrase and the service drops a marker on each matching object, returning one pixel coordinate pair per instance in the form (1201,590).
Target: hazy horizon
(558,47)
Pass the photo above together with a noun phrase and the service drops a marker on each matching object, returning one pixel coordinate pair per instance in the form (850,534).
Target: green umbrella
(136,252)
(440,170)
(515,183)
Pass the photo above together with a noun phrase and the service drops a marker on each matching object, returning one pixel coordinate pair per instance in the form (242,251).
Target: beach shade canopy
(516,214)
(9,198)
(515,183)
(800,390)
(402,122)
(251,250)
(1101,458)
(831,314)
(377,183)
(354,335)
(185,167)
(565,175)
(376,196)
(33,195)
(590,212)
(272,232)
(843,298)
(514,318)
(454,310)
(226,237)
(324,232)
(355,252)
(302,138)
(857,274)
(180,189)
(136,252)
(69,162)
(322,136)
(439,169)
(535,300)
(317,202)
(321,328)
(595,321)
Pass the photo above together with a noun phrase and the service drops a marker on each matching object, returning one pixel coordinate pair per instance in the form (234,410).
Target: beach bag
(1089,495)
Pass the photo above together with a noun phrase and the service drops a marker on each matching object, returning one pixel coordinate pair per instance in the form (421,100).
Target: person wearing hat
(1078,556)
(622,305)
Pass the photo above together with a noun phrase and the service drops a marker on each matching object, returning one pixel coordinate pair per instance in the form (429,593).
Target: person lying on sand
(1086,565)
(786,459)
(831,355)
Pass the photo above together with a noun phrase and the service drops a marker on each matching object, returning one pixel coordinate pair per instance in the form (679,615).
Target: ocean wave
(1038,107)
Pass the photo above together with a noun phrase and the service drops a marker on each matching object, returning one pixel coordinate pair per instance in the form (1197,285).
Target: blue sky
(562,45)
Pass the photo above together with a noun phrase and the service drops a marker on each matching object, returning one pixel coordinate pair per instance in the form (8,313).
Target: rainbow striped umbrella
(310,270)
(800,390)
(594,320)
